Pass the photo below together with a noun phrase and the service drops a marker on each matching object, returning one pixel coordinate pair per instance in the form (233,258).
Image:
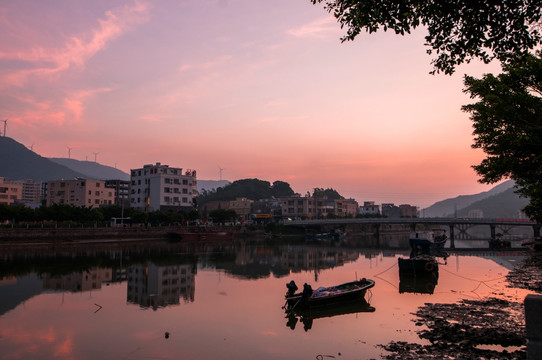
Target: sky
(239,89)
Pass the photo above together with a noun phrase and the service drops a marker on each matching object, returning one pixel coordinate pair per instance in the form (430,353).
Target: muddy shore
(490,328)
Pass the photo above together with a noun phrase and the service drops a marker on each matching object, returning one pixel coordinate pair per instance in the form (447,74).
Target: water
(158,300)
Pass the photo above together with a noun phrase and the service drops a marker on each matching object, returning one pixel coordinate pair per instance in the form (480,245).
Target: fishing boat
(326,296)
(428,239)
(421,264)
(418,274)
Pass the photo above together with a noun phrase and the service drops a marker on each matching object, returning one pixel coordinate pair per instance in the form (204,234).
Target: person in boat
(307,292)
(292,288)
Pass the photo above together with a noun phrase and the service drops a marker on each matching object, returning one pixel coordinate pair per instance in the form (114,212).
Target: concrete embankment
(66,234)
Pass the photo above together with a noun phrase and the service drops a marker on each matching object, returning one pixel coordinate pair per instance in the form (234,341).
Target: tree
(281,189)
(507,123)
(328,193)
(458,31)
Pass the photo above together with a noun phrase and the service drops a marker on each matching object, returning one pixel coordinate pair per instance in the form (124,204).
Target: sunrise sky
(262,89)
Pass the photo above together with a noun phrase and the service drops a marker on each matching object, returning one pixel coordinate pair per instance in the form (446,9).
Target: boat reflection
(419,273)
(307,315)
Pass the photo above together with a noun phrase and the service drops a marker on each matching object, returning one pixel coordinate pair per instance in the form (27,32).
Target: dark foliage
(458,31)
(507,123)
(252,189)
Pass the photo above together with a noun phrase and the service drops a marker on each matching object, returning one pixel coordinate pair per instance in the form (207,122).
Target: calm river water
(158,300)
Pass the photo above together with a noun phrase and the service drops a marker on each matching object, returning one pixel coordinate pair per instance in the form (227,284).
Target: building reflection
(75,282)
(153,286)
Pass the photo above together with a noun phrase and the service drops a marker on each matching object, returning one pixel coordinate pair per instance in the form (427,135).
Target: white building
(160,187)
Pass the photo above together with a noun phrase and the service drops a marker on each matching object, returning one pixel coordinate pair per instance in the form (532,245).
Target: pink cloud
(77,49)
(319,28)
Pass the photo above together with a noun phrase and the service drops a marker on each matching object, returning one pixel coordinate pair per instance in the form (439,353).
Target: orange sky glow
(261,89)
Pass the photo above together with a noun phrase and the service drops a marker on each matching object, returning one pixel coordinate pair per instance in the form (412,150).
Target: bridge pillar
(452,236)
(492,227)
(536,230)
(376,228)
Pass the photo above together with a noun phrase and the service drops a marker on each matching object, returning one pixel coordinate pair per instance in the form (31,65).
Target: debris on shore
(470,329)
(528,275)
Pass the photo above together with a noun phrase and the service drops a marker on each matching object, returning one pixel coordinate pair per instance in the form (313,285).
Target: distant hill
(506,204)
(93,170)
(448,207)
(253,189)
(19,163)
(210,185)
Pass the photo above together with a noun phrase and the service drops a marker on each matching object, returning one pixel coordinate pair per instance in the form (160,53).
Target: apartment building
(32,192)
(122,191)
(336,207)
(79,192)
(160,187)
(9,192)
(369,208)
(298,207)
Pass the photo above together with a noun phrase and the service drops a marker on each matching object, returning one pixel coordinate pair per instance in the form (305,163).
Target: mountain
(19,163)
(506,204)
(502,197)
(92,170)
(210,185)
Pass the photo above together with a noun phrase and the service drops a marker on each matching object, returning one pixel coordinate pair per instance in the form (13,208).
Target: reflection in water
(419,273)
(155,286)
(235,310)
(75,282)
(308,315)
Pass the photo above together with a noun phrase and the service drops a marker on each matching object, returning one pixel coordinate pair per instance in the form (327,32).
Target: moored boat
(428,239)
(326,296)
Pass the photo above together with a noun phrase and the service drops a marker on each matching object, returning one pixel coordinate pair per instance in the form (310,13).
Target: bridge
(460,224)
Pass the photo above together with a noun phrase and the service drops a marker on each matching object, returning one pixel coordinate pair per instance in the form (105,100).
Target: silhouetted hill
(506,204)
(448,207)
(253,189)
(211,185)
(18,163)
(93,170)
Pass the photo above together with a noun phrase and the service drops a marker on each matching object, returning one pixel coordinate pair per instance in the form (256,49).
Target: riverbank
(100,234)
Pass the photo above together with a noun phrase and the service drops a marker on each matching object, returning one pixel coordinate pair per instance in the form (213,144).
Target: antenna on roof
(5,124)
(69,152)
(95,155)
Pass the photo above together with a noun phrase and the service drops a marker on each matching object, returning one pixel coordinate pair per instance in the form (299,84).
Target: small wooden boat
(420,265)
(326,296)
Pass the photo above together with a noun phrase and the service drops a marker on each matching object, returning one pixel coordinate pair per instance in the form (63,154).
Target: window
(185,182)
(97,184)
